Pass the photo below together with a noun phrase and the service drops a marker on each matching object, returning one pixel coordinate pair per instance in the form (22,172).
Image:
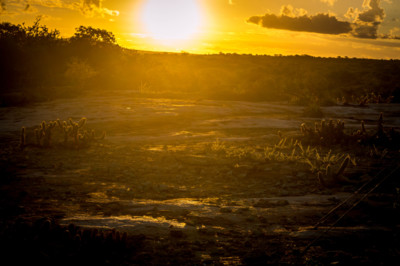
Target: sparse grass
(364,100)
(285,151)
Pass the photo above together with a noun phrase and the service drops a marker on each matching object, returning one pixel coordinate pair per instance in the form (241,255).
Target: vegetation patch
(58,133)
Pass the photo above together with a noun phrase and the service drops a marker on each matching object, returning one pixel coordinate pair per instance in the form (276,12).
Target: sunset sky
(353,28)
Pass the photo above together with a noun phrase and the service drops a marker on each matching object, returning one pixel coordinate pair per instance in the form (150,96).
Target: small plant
(329,177)
(218,146)
(22,143)
(376,153)
(396,203)
(47,132)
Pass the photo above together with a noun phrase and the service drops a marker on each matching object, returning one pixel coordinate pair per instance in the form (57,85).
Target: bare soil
(162,177)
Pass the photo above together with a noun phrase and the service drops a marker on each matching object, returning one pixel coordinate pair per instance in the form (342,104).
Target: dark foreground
(192,182)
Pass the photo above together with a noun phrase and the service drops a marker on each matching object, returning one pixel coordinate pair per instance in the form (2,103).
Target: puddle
(251,122)
(185,133)
(157,148)
(132,224)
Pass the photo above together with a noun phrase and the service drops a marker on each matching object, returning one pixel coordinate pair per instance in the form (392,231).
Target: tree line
(37,64)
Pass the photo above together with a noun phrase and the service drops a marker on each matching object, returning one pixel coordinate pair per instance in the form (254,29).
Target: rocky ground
(190,182)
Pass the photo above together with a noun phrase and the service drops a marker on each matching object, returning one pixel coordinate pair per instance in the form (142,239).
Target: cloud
(362,24)
(329,2)
(91,8)
(50,3)
(373,13)
(366,23)
(2,6)
(29,4)
(29,8)
(352,13)
(320,23)
(290,11)
(394,33)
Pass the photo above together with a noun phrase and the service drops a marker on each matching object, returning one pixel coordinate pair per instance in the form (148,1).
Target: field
(195,182)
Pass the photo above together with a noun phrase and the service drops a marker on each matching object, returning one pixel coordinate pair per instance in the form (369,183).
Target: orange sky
(353,28)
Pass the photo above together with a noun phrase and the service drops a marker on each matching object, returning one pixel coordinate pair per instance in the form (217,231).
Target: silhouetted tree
(23,35)
(12,33)
(41,33)
(93,36)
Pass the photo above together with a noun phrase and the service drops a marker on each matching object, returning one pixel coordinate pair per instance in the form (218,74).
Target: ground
(187,182)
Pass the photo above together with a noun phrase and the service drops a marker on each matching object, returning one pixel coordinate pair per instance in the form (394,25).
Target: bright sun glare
(171,20)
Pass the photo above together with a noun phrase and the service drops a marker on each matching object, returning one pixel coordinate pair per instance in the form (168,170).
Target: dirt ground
(185,182)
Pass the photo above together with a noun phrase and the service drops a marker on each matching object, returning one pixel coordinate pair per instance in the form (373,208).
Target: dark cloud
(320,23)
(96,3)
(364,23)
(368,31)
(367,22)
(374,12)
(89,7)
(2,6)
(29,8)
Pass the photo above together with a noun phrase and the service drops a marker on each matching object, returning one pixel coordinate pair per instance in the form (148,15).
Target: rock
(162,188)
(225,210)
(301,174)
(283,193)
(176,234)
(265,203)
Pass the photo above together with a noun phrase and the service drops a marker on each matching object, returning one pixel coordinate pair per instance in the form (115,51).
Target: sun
(171,20)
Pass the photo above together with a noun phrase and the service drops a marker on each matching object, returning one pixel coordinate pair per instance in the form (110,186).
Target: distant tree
(78,72)
(93,36)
